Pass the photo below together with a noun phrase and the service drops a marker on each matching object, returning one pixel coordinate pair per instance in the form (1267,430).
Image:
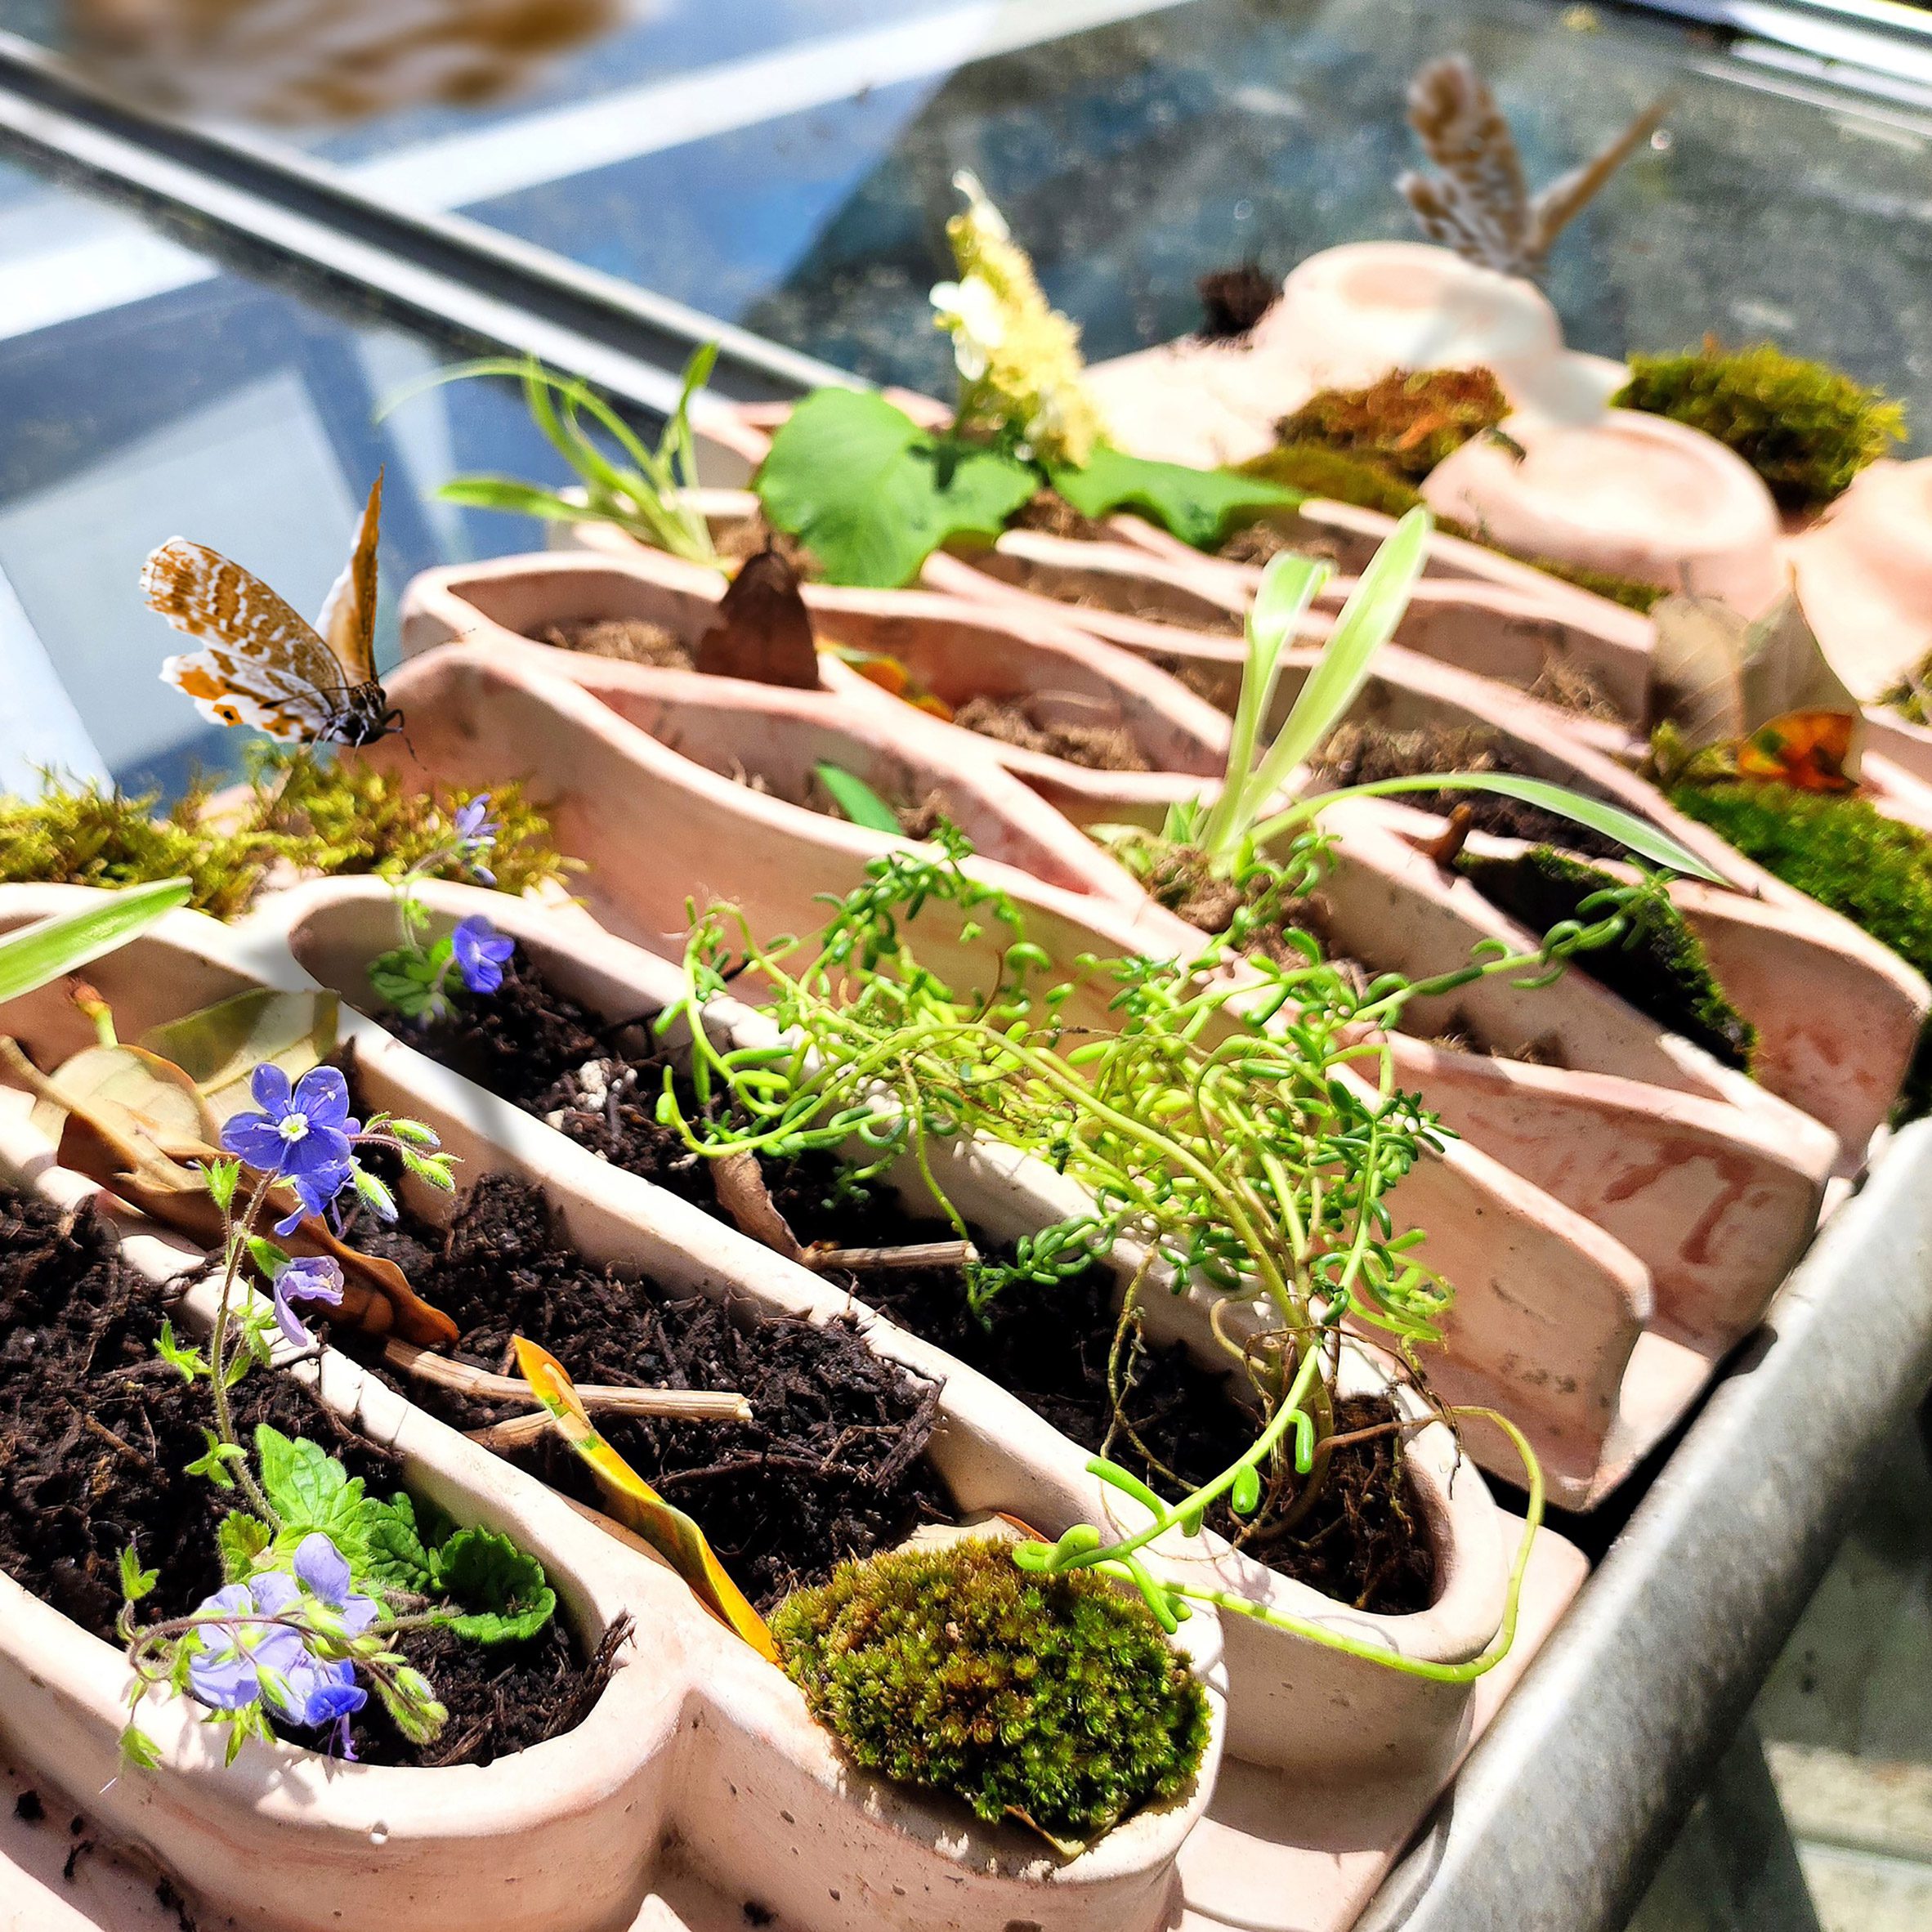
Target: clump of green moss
(1318,471)
(1840,851)
(1834,846)
(1057,1699)
(1911,696)
(1661,968)
(297,812)
(1806,427)
(1408,422)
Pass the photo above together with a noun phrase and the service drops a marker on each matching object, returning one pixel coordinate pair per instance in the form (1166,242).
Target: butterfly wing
(263,664)
(348,623)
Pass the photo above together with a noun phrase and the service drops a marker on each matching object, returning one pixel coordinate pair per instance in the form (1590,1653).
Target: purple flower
(239,1662)
(299,1134)
(481,952)
(325,1571)
(476,833)
(226,1671)
(315,1195)
(316,1278)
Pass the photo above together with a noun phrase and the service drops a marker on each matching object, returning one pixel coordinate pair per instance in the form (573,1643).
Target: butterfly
(264,665)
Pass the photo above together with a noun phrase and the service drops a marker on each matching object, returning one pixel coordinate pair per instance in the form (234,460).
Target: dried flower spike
(1480,204)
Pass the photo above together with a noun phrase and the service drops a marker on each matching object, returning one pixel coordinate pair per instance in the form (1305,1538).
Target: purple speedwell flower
(476,835)
(302,1135)
(226,1671)
(324,1571)
(314,1278)
(241,1661)
(482,953)
(304,1130)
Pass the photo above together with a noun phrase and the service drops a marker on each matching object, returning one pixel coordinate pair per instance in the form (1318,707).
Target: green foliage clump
(1408,422)
(92,836)
(1834,846)
(298,813)
(1316,470)
(1806,427)
(1660,967)
(1839,849)
(1055,1699)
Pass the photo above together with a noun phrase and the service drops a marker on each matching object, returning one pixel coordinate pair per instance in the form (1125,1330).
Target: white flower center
(293,1126)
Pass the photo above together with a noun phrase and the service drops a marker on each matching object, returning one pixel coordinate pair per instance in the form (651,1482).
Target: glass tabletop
(149,391)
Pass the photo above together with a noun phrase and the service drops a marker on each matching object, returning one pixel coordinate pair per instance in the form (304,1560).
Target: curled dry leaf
(739,1184)
(1762,690)
(762,631)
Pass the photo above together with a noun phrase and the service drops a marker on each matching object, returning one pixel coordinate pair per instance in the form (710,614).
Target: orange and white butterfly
(264,665)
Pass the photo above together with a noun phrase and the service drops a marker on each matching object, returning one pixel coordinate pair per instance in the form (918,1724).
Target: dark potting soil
(1361,754)
(1097,747)
(1364,1543)
(918,818)
(1049,512)
(832,1464)
(95,1433)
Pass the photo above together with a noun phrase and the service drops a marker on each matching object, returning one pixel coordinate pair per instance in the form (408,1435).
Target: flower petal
(324,1568)
(270,1085)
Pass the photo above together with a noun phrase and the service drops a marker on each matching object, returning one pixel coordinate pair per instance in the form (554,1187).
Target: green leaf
(856,799)
(504,493)
(1198,506)
(504,1595)
(269,1256)
(310,1490)
(139,1749)
(241,1539)
(1367,622)
(190,1361)
(872,495)
(65,943)
(214,1463)
(397,1558)
(1288,586)
(1638,834)
(221,1177)
(135,1582)
(405,978)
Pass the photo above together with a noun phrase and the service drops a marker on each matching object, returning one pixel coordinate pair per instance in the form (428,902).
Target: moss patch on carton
(1806,427)
(1408,422)
(1055,1699)
(1837,847)
(1662,969)
(299,813)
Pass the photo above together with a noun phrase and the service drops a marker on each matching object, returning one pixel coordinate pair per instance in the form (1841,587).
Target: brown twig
(823,1256)
(682,1405)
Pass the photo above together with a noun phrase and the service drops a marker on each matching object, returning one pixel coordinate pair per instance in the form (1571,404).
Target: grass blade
(1638,834)
(67,940)
(857,800)
(1367,622)
(1288,586)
